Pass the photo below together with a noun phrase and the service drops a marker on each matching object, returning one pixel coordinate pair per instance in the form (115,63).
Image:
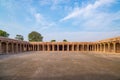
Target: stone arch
(65,47)
(22,48)
(89,47)
(80,47)
(111,47)
(40,47)
(60,47)
(102,47)
(75,47)
(9,47)
(118,47)
(15,47)
(45,47)
(106,47)
(4,46)
(50,47)
(70,47)
(85,47)
(55,47)
(19,47)
(98,47)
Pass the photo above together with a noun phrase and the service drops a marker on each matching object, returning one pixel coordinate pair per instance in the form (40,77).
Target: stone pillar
(38,47)
(12,47)
(88,47)
(67,47)
(0,47)
(16,47)
(57,47)
(108,47)
(53,47)
(104,48)
(63,47)
(48,47)
(97,47)
(7,47)
(72,47)
(114,47)
(83,47)
(20,47)
(77,47)
(100,48)
(43,47)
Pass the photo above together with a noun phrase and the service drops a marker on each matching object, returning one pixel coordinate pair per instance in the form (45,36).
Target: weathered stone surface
(8,46)
(60,66)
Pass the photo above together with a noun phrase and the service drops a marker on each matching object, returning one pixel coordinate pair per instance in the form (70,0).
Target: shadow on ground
(70,77)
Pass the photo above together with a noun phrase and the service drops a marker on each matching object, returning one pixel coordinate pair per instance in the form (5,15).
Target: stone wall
(8,46)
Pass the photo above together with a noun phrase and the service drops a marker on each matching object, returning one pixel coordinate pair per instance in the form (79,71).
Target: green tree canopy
(53,40)
(35,36)
(64,40)
(19,37)
(4,33)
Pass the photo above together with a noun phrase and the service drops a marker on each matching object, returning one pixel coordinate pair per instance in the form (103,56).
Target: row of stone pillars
(14,47)
(98,47)
(10,46)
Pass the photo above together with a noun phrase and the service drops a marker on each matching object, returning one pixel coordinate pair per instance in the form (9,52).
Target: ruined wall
(9,46)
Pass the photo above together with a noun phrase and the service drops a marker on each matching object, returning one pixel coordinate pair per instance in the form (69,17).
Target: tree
(53,40)
(4,33)
(35,36)
(64,40)
(19,37)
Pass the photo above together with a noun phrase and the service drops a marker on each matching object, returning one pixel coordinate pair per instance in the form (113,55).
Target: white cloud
(85,11)
(41,22)
(94,18)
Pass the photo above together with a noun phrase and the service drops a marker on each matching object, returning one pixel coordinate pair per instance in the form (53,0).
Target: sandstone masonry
(9,46)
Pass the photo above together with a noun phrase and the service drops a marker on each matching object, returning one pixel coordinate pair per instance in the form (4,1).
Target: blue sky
(74,20)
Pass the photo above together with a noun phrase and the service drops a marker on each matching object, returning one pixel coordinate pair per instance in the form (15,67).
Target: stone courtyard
(60,66)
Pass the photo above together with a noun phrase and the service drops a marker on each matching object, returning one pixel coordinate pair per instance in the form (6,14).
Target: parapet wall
(9,46)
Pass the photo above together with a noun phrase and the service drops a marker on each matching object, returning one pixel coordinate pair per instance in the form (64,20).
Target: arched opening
(36,47)
(106,47)
(60,47)
(50,47)
(45,47)
(27,48)
(70,47)
(55,47)
(22,49)
(90,48)
(40,47)
(3,45)
(65,47)
(80,47)
(98,47)
(9,47)
(102,47)
(118,47)
(75,47)
(18,47)
(15,47)
(111,47)
(85,47)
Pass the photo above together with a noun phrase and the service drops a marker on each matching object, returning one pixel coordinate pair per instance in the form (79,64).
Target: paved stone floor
(60,66)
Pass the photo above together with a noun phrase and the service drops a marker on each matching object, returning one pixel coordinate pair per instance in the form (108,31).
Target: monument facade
(9,46)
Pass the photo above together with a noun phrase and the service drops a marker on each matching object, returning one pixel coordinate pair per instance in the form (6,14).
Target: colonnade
(113,47)
(8,46)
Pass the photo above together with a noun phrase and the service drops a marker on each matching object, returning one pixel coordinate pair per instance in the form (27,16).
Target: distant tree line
(33,36)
